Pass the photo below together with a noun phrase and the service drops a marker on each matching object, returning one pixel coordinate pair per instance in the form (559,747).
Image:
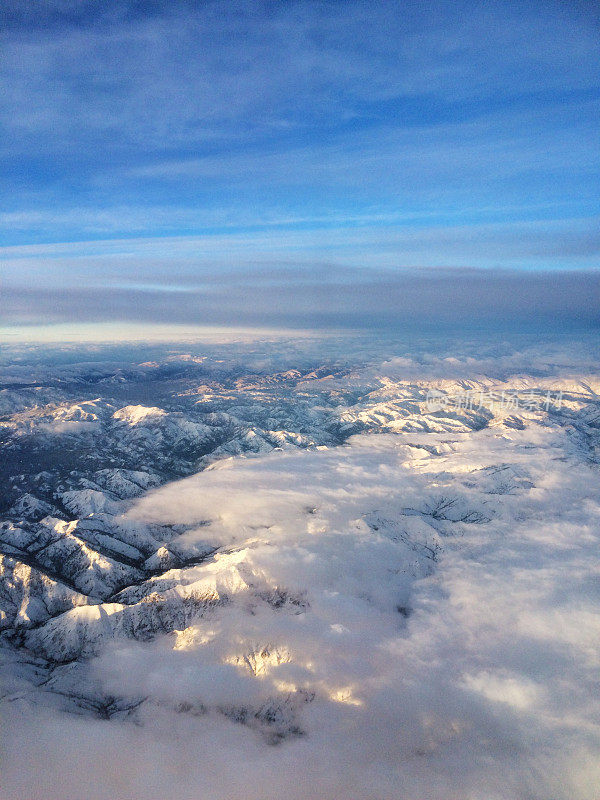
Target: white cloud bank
(401,652)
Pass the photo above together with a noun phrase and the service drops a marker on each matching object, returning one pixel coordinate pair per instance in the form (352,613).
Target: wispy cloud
(179,117)
(369,241)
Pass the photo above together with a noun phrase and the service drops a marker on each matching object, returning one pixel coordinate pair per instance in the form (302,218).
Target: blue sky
(160,146)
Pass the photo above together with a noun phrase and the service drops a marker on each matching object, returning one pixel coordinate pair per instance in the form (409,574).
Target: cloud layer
(324,297)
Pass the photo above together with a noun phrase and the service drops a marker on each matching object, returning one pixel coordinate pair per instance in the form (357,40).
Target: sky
(300,163)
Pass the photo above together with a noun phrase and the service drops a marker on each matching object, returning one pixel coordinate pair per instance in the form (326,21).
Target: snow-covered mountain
(307,552)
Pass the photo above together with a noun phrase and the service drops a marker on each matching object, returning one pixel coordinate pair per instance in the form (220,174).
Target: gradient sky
(172,160)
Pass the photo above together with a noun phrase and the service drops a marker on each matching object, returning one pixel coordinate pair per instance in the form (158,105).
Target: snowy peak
(134,415)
